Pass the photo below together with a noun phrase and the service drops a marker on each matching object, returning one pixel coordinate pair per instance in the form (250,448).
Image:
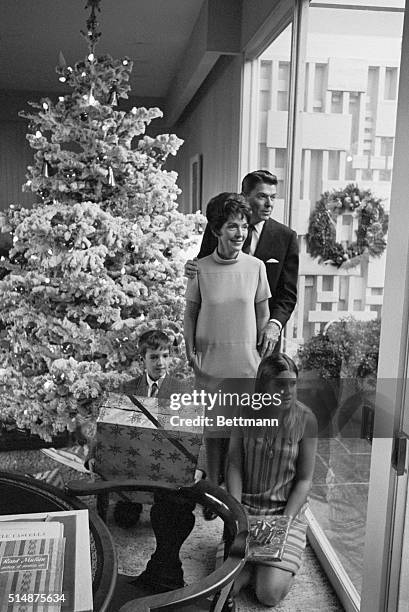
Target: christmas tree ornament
(91,57)
(45,106)
(91,101)
(45,170)
(125,62)
(111,178)
(62,79)
(113,97)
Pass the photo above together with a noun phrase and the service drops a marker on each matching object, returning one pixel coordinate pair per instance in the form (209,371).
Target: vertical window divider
(295,109)
(249,122)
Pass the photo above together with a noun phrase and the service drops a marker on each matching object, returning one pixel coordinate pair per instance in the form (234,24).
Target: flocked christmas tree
(98,259)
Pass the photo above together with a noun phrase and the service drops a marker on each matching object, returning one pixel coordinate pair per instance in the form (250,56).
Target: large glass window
(349,76)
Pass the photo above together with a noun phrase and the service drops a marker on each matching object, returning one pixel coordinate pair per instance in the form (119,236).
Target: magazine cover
(76,577)
(31,575)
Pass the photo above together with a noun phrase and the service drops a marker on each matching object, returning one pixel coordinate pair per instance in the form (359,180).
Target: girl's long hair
(271,367)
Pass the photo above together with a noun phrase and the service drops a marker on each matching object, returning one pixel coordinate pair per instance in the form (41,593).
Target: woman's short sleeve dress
(226,331)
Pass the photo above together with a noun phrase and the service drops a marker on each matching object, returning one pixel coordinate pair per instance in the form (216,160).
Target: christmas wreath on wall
(370,235)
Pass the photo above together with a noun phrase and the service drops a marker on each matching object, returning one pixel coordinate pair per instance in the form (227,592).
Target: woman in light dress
(226,310)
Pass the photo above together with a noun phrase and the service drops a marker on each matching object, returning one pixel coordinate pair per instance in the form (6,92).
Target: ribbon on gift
(182,449)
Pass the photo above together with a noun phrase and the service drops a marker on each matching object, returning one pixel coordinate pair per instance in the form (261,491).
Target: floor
(310,592)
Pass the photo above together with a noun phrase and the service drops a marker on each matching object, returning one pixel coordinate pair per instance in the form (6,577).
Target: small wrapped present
(268,538)
(139,437)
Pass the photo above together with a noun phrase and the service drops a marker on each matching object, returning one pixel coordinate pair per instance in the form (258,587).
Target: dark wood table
(20,494)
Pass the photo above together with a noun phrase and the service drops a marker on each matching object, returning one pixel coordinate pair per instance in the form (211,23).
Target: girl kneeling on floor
(270,470)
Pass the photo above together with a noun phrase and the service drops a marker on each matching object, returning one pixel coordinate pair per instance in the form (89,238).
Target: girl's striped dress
(269,469)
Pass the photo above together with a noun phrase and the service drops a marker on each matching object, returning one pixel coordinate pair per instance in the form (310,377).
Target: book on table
(45,563)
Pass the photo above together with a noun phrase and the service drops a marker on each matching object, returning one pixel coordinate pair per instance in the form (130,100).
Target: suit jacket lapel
(142,386)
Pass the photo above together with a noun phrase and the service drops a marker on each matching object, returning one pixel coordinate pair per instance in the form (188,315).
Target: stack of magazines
(45,562)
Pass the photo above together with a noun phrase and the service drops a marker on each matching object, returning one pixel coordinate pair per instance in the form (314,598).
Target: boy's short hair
(153,339)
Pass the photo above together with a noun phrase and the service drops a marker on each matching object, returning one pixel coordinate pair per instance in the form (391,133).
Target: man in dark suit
(272,242)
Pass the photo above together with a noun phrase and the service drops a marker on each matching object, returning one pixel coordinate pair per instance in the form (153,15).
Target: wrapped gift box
(130,445)
(268,538)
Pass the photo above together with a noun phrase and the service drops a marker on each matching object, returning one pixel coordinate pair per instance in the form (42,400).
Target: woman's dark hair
(223,206)
(253,179)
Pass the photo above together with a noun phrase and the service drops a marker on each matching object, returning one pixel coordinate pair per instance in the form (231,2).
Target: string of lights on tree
(99,258)
(370,235)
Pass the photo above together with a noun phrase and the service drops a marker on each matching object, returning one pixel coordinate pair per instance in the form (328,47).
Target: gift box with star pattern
(135,439)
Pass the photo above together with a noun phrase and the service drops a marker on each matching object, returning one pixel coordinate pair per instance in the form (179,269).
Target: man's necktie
(154,389)
(247,242)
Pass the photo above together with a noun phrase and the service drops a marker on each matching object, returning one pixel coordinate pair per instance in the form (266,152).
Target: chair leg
(102,505)
(219,601)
